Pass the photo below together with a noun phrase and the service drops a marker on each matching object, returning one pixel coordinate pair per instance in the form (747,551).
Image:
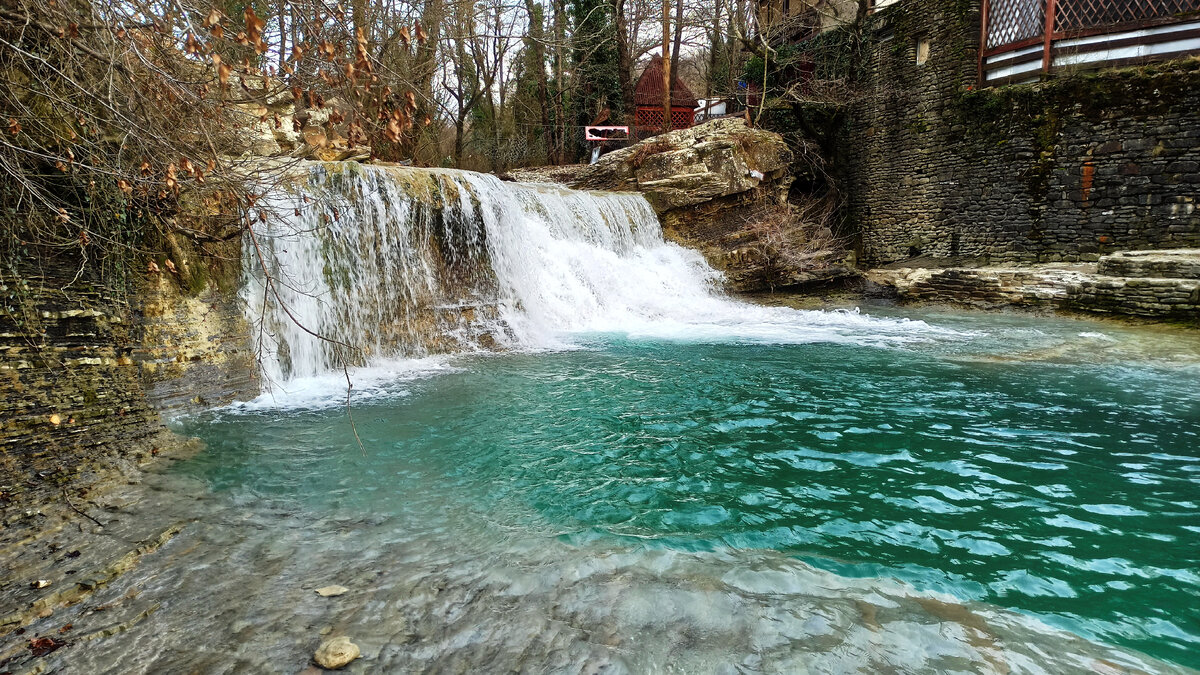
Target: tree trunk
(283,36)
(666,61)
(678,39)
(537,38)
(560,39)
(714,45)
(425,67)
(624,62)
(458,142)
(358,15)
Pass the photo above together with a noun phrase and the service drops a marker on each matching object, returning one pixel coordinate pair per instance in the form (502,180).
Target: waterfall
(391,261)
(396,262)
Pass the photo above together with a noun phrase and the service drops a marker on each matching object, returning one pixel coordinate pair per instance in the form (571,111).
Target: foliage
(594,57)
(124,123)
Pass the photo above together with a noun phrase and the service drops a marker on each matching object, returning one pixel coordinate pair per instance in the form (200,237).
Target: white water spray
(391,262)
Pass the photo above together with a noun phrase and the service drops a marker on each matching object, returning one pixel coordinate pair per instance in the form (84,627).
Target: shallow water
(1006,494)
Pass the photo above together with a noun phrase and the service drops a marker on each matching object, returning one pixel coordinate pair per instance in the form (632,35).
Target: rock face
(336,653)
(722,188)
(1174,264)
(72,407)
(274,126)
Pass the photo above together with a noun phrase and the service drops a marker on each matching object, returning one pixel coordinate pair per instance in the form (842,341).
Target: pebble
(336,653)
(329,591)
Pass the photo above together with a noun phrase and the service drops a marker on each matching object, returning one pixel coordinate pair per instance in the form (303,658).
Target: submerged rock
(336,653)
(330,591)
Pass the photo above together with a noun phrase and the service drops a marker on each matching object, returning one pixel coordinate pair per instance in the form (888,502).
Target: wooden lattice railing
(649,121)
(1014,21)
(1074,15)
(1018,34)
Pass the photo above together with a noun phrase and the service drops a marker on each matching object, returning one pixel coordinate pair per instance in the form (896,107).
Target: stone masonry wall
(1064,170)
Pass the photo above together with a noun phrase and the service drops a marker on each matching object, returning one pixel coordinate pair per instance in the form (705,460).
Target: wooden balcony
(1024,39)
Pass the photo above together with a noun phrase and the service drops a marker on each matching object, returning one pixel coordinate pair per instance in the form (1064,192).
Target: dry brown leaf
(254,27)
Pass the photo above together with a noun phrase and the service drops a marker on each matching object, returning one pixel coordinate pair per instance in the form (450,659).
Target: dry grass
(644,150)
(796,236)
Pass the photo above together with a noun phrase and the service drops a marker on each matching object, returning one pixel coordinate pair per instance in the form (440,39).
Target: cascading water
(388,262)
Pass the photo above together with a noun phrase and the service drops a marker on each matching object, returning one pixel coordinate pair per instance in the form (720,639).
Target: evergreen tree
(596,61)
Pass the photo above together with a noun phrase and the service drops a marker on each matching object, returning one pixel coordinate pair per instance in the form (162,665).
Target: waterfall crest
(396,262)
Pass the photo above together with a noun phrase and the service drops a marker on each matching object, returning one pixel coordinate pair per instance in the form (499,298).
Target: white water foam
(390,263)
(383,379)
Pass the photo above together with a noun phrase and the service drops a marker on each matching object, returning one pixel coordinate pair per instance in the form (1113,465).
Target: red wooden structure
(648,97)
(1022,39)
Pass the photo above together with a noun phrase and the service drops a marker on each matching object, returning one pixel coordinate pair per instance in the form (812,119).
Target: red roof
(649,90)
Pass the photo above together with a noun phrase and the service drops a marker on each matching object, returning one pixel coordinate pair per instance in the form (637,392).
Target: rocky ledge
(722,188)
(1152,284)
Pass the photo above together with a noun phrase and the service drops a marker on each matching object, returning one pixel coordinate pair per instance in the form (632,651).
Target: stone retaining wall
(1064,170)
(1181,264)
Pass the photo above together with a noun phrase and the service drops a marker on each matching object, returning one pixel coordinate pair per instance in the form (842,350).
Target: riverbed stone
(331,591)
(336,653)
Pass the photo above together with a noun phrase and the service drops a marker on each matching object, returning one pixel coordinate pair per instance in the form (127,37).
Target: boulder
(686,167)
(336,653)
(722,188)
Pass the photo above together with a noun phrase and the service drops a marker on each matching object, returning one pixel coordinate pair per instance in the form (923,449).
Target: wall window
(923,46)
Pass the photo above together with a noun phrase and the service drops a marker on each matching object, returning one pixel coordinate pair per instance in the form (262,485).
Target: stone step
(1179,263)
